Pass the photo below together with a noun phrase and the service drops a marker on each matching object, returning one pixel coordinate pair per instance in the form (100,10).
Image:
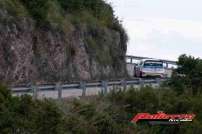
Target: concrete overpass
(131,58)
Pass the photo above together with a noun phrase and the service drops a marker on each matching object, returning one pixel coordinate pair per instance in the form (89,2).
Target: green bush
(153,100)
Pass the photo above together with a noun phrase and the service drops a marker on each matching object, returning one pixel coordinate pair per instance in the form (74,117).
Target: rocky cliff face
(29,53)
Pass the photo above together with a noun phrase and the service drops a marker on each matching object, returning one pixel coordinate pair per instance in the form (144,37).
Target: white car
(150,68)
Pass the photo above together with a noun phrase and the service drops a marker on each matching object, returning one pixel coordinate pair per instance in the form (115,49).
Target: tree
(188,76)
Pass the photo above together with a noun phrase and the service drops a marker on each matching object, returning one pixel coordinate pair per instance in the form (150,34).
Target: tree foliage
(188,76)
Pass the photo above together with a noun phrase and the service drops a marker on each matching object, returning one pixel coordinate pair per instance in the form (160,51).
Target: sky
(161,28)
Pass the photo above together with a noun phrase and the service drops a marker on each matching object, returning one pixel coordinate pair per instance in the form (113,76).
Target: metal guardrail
(104,85)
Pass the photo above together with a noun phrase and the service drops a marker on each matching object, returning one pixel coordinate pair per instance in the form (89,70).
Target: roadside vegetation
(110,114)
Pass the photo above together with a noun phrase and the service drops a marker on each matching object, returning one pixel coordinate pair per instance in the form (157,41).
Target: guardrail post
(35,91)
(104,87)
(124,84)
(158,81)
(59,89)
(166,65)
(141,81)
(83,87)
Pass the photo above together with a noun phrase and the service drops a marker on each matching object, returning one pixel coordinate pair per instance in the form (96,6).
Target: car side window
(141,63)
(138,64)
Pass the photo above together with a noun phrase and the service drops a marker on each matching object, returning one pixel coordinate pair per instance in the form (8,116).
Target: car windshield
(153,64)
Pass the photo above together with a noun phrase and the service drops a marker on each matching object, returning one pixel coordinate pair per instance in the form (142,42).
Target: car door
(135,70)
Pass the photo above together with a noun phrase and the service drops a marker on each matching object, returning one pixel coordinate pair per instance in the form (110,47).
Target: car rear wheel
(141,76)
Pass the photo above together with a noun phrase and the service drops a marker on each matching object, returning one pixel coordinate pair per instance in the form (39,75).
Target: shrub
(37,8)
(14,7)
(24,115)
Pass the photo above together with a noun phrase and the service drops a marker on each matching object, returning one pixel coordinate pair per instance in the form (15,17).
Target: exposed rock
(32,54)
